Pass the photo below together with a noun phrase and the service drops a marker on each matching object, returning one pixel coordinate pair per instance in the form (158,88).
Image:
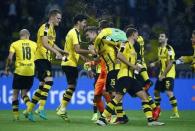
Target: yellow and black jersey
(105,37)
(165,54)
(109,55)
(25,56)
(129,52)
(139,48)
(107,49)
(49,31)
(72,38)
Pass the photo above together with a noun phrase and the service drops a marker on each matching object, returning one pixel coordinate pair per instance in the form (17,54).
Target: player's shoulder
(32,43)
(17,42)
(106,31)
(73,31)
(44,26)
(169,47)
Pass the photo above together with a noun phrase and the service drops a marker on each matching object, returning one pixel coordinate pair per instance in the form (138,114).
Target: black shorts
(111,80)
(43,68)
(71,74)
(140,79)
(129,85)
(22,82)
(165,84)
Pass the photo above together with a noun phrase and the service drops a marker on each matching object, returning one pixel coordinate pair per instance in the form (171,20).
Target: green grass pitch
(80,121)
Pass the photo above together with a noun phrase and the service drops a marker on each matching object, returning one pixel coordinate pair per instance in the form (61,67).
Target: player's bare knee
(118,97)
(15,94)
(71,86)
(24,92)
(169,93)
(142,95)
(48,80)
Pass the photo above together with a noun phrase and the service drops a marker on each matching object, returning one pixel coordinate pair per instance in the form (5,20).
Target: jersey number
(26,53)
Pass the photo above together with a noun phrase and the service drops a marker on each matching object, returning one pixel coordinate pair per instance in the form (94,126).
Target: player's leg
(95,113)
(16,86)
(25,96)
(27,84)
(15,104)
(72,76)
(136,89)
(98,98)
(144,75)
(147,83)
(99,88)
(48,82)
(106,96)
(147,109)
(41,66)
(169,83)
(100,106)
(157,89)
(35,99)
(110,88)
(120,89)
(110,107)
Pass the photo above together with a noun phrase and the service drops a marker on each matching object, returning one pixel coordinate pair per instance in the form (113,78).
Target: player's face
(90,35)
(162,38)
(193,39)
(135,36)
(82,24)
(57,19)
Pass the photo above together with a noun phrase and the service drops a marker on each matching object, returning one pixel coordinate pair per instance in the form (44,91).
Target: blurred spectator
(176,17)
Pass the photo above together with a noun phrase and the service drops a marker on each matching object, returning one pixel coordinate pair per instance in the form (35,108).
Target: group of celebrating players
(120,69)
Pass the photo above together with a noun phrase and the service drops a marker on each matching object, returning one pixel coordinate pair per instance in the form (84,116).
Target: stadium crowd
(176,17)
(124,38)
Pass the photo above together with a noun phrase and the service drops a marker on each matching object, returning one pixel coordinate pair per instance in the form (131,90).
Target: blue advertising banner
(83,97)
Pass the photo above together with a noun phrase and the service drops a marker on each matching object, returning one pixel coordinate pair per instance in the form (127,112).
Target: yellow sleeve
(102,34)
(140,40)
(75,37)
(44,30)
(171,53)
(12,48)
(35,46)
(97,41)
(122,47)
(113,43)
(187,59)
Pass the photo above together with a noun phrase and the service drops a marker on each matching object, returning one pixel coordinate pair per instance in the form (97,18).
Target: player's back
(25,56)
(107,49)
(114,37)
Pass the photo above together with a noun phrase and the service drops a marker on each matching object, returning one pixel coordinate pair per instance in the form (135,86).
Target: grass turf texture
(81,121)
